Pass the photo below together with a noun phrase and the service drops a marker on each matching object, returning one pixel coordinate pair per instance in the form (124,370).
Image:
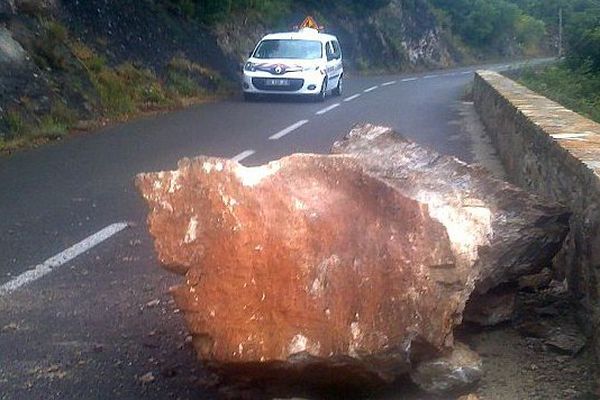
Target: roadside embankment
(555,152)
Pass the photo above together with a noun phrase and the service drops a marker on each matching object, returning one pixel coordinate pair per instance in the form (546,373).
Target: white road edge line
(288,130)
(371,89)
(430,76)
(243,155)
(389,83)
(408,79)
(356,96)
(327,109)
(62,258)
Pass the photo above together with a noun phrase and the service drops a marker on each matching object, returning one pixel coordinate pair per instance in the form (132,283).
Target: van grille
(274,84)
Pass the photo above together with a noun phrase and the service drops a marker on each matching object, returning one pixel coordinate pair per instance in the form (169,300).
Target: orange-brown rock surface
(339,268)
(305,262)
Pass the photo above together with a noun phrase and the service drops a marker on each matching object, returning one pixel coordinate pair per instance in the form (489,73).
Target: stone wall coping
(574,133)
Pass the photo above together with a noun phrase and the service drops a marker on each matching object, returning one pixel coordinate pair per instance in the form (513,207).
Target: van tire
(323,93)
(339,90)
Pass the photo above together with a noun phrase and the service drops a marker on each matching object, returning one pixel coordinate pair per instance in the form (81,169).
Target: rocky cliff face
(400,36)
(63,61)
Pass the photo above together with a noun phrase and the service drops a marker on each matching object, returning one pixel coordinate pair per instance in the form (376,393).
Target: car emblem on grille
(278,69)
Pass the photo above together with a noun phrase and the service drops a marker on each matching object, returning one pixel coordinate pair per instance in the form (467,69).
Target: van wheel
(323,94)
(339,90)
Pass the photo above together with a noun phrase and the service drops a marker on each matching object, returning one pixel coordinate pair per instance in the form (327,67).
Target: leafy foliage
(491,23)
(577,89)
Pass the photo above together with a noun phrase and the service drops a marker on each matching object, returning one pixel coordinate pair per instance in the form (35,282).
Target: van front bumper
(291,83)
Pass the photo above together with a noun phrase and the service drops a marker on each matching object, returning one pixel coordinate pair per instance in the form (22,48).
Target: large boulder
(340,269)
(306,267)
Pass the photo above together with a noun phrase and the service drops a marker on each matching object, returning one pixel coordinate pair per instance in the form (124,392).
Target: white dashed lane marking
(353,97)
(243,155)
(409,79)
(370,89)
(62,258)
(430,76)
(389,83)
(288,130)
(327,109)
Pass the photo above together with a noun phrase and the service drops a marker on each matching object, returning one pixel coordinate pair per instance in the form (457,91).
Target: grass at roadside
(112,93)
(578,90)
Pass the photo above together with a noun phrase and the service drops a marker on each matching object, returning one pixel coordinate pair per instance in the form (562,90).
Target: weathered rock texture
(498,231)
(341,267)
(305,264)
(399,35)
(556,152)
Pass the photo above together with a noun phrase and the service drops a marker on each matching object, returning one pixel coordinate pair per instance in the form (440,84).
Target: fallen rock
(498,231)
(306,267)
(345,269)
(493,307)
(568,343)
(458,371)
(147,378)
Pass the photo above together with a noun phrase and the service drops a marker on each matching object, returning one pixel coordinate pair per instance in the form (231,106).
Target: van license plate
(277,82)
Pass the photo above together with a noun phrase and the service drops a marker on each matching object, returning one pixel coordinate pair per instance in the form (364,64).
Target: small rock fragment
(10,327)
(147,378)
(570,343)
(458,371)
(153,303)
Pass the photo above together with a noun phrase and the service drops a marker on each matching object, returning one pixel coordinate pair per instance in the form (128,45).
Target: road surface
(84,306)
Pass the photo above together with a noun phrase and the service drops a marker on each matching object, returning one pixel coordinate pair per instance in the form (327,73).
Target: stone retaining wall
(555,152)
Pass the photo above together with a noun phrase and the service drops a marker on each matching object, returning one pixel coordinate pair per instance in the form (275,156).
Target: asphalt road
(102,324)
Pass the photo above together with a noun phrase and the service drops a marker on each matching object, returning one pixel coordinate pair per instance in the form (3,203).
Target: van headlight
(249,66)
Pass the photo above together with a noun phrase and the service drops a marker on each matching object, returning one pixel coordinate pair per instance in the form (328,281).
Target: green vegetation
(491,26)
(50,51)
(117,92)
(16,125)
(577,89)
(575,82)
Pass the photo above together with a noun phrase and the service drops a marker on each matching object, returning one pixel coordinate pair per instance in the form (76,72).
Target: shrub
(577,89)
(90,60)
(51,47)
(15,123)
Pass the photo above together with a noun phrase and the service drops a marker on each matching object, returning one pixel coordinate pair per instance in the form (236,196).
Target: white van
(306,62)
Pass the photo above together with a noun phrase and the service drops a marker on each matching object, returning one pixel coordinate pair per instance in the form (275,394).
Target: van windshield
(289,48)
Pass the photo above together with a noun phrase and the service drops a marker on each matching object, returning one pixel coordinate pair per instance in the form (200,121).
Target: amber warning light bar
(309,22)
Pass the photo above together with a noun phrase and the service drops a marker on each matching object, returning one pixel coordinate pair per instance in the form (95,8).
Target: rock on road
(102,324)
